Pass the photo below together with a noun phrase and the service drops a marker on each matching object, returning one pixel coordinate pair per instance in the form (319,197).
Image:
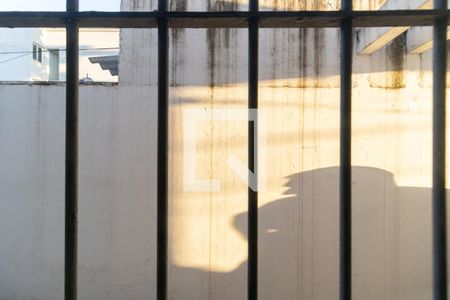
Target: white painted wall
(117,218)
(298,211)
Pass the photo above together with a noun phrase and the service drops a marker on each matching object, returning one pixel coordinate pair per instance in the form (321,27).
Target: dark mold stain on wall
(177,42)
(318,47)
(178,5)
(396,52)
(299,58)
(303,38)
(138,5)
(387,65)
(219,46)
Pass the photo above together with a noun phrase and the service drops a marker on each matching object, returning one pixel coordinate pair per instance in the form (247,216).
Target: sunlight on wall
(298,210)
(203,218)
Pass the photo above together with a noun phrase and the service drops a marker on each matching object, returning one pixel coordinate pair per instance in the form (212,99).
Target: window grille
(253,19)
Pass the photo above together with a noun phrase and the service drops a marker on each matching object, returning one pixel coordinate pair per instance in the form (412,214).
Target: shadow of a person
(299,242)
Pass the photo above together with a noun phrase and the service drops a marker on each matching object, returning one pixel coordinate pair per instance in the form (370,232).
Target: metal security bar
(253,19)
(71,170)
(438,192)
(163,153)
(345,169)
(226,19)
(253,44)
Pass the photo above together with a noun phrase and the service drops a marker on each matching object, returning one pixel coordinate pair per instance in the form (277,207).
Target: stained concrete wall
(117,184)
(298,230)
(299,90)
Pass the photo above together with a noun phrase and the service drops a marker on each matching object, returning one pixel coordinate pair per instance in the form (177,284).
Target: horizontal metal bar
(236,19)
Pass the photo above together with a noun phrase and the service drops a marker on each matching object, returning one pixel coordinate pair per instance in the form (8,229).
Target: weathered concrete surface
(420,39)
(298,210)
(116,187)
(373,39)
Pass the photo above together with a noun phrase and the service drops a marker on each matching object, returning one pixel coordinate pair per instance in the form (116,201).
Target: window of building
(37,53)
(53,61)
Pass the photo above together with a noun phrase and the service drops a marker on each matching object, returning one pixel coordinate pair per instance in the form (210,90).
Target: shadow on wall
(299,237)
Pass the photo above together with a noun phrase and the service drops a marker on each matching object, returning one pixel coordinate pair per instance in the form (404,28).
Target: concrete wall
(117,206)
(298,230)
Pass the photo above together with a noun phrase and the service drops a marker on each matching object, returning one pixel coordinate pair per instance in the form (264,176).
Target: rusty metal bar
(438,191)
(163,152)
(345,188)
(71,163)
(253,51)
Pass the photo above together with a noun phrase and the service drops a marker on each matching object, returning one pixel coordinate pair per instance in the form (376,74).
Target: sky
(57,5)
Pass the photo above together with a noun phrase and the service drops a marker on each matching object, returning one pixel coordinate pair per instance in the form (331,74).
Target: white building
(22,56)
(38,54)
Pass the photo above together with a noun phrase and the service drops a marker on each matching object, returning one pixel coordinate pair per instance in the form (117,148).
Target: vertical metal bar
(163,151)
(253,45)
(71,164)
(439,196)
(345,189)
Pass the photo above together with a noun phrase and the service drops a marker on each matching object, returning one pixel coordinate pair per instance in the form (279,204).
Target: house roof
(110,63)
